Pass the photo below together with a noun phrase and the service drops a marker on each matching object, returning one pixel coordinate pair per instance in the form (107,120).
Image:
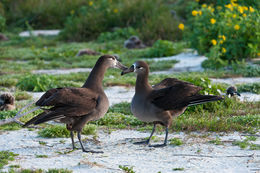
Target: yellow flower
(221,41)
(258,54)
(240,9)
(200,13)
(214,42)
(234,15)
(236,27)
(245,8)
(90,3)
(244,14)
(181,26)
(194,13)
(223,37)
(212,21)
(224,50)
(115,10)
(251,9)
(204,5)
(229,6)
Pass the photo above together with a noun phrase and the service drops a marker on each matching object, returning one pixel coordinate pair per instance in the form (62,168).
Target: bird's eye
(113,58)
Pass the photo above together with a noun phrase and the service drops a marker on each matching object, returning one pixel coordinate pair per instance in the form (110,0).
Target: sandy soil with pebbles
(195,155)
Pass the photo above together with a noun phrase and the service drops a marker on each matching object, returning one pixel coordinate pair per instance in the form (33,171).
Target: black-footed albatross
(77,106)
(160,103)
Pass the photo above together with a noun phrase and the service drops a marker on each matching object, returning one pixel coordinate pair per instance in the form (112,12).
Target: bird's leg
(72,140)
(83,149)
(148,140)
(165,140)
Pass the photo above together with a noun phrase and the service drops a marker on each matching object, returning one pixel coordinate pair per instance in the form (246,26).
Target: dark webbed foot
(158,145)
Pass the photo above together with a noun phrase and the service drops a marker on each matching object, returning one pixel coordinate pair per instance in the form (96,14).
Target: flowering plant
(225,33)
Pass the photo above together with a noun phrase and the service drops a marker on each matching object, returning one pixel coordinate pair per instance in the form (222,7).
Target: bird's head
(139,67)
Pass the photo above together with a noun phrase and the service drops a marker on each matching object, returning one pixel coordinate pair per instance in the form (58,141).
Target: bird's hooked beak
(120,66)
(128,70)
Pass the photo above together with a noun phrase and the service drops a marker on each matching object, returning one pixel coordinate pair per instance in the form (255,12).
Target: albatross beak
(129,70)
(120,66)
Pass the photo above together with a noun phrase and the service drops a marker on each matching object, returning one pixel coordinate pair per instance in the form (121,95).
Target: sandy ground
(39,33)
(195,155)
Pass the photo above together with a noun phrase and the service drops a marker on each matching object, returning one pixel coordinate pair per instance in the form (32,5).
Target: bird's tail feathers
(200,99)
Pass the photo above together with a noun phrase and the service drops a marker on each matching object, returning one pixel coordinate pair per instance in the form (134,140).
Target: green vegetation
(59,131)
(178,169)
(246,143)
(127,169)
(253,87)
(216,141)
(175,141)
(226,32)
(6,156)
(41,156)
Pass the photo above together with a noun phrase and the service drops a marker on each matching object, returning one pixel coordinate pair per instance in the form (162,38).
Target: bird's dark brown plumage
(76,106)
(7,102)
(170,97)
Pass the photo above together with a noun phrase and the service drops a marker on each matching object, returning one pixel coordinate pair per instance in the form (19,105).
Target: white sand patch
(195,155)
(62,71)
(250,97)
(39,33)
(235,81)
(188,61)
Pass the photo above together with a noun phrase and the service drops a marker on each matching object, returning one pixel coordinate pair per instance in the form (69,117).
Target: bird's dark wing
(174,96)
(70,99)
(65,102)
(168,82)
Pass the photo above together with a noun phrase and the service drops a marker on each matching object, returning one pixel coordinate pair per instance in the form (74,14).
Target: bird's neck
(142,85)
(96,76)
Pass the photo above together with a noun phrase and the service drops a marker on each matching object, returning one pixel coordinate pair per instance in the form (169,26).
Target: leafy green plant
(22,95)
(37,82)
(7,114)
(253,87)
(127,169)
(2,23)
(175,141)
(226,33)
(54,132)
(216,141)
(6,156)
(119,33)
(150,18)
(163,48)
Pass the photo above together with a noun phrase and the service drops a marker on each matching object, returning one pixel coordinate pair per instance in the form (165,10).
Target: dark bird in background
(232,91)
(77,106)
(160,103)
(7,102)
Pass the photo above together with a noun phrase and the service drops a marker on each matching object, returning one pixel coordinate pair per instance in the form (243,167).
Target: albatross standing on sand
(77,106)
(165,100)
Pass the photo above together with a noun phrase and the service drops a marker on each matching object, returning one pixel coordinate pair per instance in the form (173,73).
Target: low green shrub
(119,33)
(2,23)
(7,114)
(253,88)
(57,131)
(152,19)
(6,156)
(37,83)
